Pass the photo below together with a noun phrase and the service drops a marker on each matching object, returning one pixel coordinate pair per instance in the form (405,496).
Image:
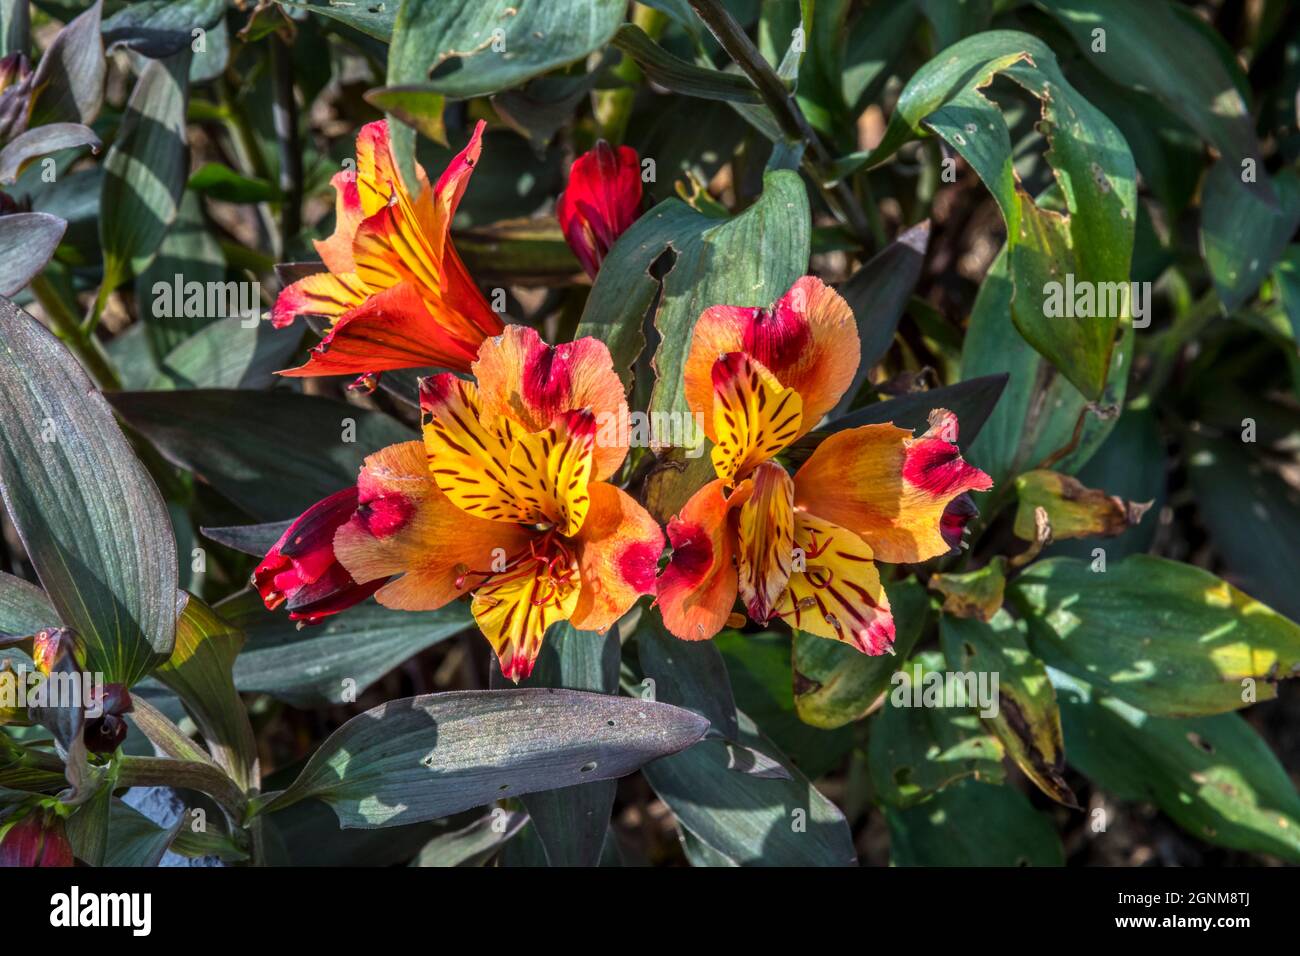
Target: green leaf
(227,354)
(1039,410)
(69,80)
(323,665)
(953,19)
(1243,234)
(1253,517)
(188,254)
(748,260)
(218,181)
(1214,776)
(749,820)
(835,684)
(878,294)
(474,844)
(27,242)
(199,673)
(973,824)
(419,108)
(1092,241)
(421,758)
(289,452)
(1155,47)
(572,822)
(145,170)
(480,48)
(160,28)
(41,141)
(1167,637)
(373,19)
(681,76)
(758,666)
(1027,720)
(928,735)
(93,524)
(24,608)
(15,27)
(134,840)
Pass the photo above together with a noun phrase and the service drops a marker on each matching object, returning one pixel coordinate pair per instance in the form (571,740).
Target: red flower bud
(301,571)
(37,839)
(49,643)
(602,200)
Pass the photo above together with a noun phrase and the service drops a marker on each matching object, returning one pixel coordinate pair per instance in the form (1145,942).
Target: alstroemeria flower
(602,200)
(803,548)
(506,500)
(300,569)
(397,293)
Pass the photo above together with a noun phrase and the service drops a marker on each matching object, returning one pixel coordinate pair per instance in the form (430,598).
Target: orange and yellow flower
(802,547)
(506,499)
(396,292)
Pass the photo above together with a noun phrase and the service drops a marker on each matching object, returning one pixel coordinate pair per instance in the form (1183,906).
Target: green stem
(785,108)
(79,339)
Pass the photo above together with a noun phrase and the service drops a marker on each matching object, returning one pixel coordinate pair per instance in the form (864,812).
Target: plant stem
(284,113)
(785,108)
(204,776)
(78,338)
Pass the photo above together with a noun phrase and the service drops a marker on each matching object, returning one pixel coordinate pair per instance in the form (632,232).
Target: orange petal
(321,294)
(392,329)
(753,416)
(697,589)
(766,541)
(405,526)
(515,612)
(336,251)
(838,593)
(451,186)
(550,470)
(377,173)
(521,376)
(618,553)
(888,487)
(807,339)
(469,459)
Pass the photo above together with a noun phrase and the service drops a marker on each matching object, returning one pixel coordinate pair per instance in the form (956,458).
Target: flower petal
(618,554)
(377,174)
(469,459)
(838,594)
(766,541)
(889,488)
(807,339)
(336,251)
(405,526)
(515,613)
(753,416)
(522,377)
(321,294)
(550,471)
(600,203)
(389,330)
(697,590)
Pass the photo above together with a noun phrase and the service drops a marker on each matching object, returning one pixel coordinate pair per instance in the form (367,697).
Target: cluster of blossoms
(508,498)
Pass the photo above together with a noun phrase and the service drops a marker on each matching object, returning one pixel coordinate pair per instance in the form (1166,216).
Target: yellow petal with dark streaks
(550,470)
(766,541)
(515,613)
(468,460)
(835,590)
(753,416)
